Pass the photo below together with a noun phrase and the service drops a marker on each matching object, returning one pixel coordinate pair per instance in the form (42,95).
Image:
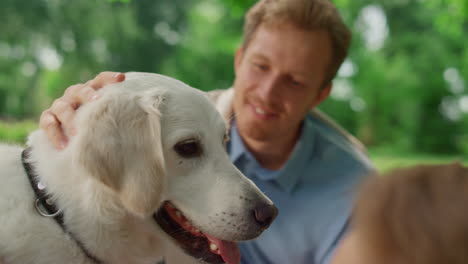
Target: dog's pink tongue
(229,250)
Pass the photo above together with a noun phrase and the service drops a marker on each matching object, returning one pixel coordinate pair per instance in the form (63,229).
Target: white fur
(117,171)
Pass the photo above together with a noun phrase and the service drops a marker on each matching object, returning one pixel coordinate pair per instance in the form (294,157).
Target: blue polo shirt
(313,192)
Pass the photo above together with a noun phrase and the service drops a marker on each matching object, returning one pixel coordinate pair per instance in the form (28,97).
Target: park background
(402,90)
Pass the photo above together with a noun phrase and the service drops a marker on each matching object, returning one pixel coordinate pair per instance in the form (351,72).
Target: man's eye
(295,83)
(260,66)
(188,148)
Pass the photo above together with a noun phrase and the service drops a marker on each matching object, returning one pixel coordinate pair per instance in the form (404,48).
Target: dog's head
(159,145)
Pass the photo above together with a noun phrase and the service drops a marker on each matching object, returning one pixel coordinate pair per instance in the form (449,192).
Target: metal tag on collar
(41,211)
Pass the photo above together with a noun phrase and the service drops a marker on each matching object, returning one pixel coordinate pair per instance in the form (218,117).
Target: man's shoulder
(334,139)
(331,126)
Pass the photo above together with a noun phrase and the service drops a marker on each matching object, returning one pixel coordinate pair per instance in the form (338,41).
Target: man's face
(279,77)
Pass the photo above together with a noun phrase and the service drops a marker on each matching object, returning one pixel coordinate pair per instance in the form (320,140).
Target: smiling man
(303,161)
(300,158)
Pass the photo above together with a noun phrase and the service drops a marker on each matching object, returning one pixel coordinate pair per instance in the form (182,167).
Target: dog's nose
(265,214)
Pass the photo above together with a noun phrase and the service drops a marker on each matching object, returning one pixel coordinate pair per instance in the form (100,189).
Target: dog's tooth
(213,247)
(259,111)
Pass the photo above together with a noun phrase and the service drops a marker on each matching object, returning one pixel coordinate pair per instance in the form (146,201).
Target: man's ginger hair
(308,15)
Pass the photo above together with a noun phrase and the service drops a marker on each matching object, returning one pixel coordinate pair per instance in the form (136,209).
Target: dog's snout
(265,214)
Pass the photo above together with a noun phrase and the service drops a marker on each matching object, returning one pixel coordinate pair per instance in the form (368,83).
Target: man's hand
(57,121)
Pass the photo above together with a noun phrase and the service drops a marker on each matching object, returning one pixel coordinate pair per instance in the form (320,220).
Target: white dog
(146,171)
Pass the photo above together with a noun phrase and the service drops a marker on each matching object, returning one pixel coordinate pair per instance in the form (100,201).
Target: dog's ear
(121,147)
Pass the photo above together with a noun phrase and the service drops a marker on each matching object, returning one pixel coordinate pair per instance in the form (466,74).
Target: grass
(386,160)
(16,132)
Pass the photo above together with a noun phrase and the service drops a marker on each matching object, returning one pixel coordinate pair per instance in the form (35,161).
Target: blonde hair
(307,15)
(416,215)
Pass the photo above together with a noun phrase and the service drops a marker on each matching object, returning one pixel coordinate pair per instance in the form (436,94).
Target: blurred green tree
(403,85)
(46,46)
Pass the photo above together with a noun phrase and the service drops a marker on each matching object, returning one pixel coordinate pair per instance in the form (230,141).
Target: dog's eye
(189,148)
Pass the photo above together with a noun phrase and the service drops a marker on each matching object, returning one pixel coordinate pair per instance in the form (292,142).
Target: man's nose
(269,89)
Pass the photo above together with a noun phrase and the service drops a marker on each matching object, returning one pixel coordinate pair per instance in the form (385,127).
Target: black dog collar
(44,201)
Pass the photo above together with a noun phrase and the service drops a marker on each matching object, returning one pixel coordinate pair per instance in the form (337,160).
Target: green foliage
(408,103)
(16,132)
(122,1)
(237,8)
(214,35)
(387,158)
(408,93)
(69,42)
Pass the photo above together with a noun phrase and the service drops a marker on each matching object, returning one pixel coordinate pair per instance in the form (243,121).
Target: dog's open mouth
(192,240)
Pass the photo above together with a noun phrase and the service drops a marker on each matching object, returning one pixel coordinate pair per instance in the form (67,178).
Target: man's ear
(238,58)
(322,95)
(121,147)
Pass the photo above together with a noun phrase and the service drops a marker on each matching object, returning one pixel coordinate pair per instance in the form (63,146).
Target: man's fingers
(86,94)
(58,121)
(64,112)
(79,94)
(53,129)
(105,78)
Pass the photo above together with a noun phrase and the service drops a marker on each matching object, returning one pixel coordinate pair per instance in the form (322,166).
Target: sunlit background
(402,90)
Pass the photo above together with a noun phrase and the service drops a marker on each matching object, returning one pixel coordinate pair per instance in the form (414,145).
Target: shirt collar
(237,147)
(290,173)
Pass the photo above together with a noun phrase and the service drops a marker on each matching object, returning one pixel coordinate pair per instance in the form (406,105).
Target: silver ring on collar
(41,212)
